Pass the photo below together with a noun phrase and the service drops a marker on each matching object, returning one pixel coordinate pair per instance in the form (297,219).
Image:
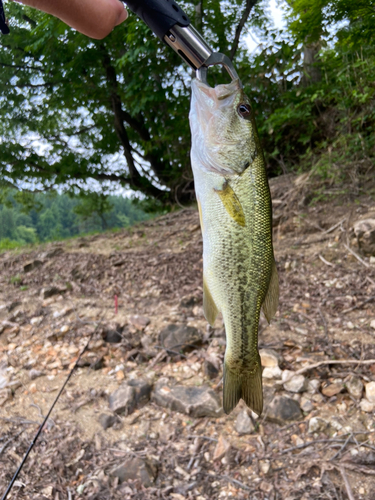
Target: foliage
(328,124)
(87,115)
(313,18)
(115,110)
(62,216)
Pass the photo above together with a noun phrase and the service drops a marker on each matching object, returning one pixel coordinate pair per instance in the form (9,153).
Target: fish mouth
(217,146)
(207,101)
(211,98)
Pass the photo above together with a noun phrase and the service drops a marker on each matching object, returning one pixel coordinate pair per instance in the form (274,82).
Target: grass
(15,280)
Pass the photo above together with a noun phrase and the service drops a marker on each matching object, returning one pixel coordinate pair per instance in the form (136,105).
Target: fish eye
(243,110)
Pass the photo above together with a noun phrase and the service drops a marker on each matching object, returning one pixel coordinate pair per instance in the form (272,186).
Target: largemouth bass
(239,271)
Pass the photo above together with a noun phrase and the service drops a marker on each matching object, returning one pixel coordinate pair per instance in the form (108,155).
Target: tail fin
(243,385)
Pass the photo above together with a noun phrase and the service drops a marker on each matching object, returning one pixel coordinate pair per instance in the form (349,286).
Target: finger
(94,18)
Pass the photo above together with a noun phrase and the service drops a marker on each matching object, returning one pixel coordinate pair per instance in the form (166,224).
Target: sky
(279,22)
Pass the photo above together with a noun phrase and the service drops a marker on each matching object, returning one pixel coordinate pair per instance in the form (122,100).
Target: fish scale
(236,221)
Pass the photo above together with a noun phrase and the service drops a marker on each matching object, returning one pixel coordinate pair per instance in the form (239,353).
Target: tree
(93,205)
(116,111)
(7,223)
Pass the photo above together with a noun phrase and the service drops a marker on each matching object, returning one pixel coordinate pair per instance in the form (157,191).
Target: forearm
(94,18)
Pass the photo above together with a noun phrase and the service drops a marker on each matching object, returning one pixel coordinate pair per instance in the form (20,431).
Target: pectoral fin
(232,204)
(271,300)
(209,307)
(200,214)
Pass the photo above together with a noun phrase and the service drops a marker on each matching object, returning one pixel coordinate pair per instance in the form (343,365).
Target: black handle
(159,15)
(4,28)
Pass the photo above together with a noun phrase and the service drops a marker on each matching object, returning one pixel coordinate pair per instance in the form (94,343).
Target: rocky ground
(141,417)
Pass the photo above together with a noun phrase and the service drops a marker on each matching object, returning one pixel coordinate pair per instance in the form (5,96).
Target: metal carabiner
(215,59)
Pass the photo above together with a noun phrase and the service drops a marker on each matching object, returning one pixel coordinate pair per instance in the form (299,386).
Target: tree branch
(137,125)
(245,16)
(23,67)
(136,179)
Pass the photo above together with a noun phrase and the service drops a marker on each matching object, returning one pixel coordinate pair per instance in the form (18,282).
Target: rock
(112,336)
(189,301)
(269,357)
(147,342)
(210,369)
(62,312)
(372,324)
(317,398)
(123,400)
(354,386)
(180,337)
(366,406)
(97,364)
(244,424)
(107,421)
(13,305)
(33,374)
(4,375)
(283,409)
(5,395)
(265,486)
(119,262)
(142,391)
(32,388)
(293,383)
(131,394)
(264,466)
(47,492)
(332,389)
(143,470)
(49,291)
(370,392)
(36,320)
(64,329)
(84,362)
(194,401)
(139,322)
(31,265)
(364,231)
(296,440)
(313,386)
(9,328)
(335,424)
(272,372)
(306,404)
(317,424)
(54,252)
(222,447)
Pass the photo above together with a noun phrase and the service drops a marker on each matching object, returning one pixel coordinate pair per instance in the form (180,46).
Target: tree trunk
(311,63)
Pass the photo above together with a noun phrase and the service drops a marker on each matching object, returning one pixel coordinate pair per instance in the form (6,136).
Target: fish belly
(237,266)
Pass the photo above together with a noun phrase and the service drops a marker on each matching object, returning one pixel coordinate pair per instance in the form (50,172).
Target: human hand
(94,18)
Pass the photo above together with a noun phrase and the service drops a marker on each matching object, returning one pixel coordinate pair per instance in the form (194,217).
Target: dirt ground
(55,296)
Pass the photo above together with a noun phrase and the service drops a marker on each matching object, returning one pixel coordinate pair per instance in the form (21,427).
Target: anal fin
(209,307)
(271,301)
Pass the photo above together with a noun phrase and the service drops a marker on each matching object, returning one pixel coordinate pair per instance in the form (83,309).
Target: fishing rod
(41,427)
